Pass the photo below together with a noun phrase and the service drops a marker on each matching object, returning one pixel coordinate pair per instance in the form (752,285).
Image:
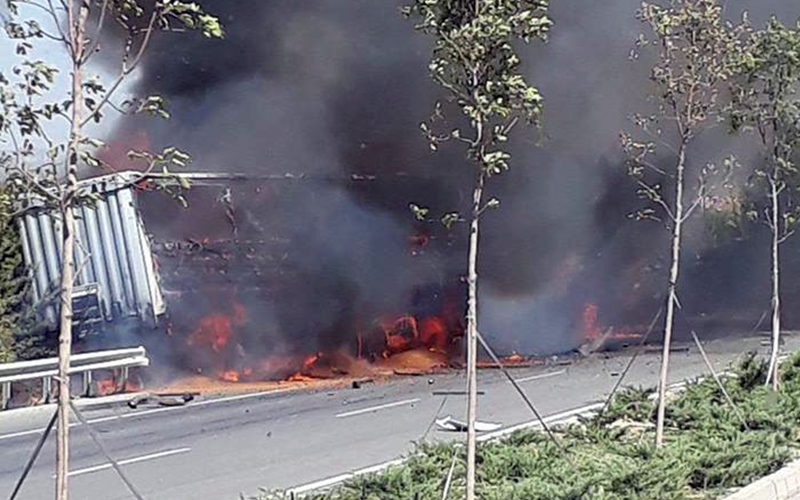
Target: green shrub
(612,457)
(20,336)
(13,283)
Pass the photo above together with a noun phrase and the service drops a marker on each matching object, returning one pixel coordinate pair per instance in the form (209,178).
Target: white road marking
(22,433)
(96,468)
(377,408)
(324,483)
(541,375)
(555,418)
(154,411)
(379,467)
(332,481)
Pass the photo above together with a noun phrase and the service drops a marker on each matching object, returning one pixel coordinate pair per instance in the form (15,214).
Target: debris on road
(448,423)
(162,399)
(410,372)
(513,361)
(357,383)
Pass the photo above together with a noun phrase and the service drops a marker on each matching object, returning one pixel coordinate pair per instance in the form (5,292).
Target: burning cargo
(235,287)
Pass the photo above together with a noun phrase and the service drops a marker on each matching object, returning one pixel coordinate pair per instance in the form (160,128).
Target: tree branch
(661,141)
(452,88)
(692,207)
(50,11)
(698,199)
(125,70)
(97,31)
(786,236)
(655,197)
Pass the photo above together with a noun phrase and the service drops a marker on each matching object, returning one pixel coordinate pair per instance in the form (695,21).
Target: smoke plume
(331,89)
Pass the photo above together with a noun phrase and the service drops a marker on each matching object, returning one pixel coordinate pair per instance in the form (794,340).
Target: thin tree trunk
(472,335)
(76,34)
(64,350)
(772,374)
(671,299)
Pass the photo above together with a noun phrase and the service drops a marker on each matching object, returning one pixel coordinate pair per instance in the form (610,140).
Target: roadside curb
(781,485)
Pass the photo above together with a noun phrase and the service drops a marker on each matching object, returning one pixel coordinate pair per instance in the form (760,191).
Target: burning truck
(234,286)
(250,278)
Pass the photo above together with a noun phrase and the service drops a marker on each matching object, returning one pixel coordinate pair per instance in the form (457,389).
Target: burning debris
(255,294)
(115,382)
(162,399)
(601,338)
(515,360)
(402,345)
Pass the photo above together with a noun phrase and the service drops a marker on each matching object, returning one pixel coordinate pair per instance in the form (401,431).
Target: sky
(52,52)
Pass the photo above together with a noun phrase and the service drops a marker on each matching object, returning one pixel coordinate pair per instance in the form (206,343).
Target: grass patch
(708,449)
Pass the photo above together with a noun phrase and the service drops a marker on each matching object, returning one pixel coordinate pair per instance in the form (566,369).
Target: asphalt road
(215,449)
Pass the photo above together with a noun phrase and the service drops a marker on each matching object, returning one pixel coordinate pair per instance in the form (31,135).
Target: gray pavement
(215,449)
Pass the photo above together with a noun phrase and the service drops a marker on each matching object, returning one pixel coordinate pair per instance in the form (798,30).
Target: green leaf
(420,213)
(449,219)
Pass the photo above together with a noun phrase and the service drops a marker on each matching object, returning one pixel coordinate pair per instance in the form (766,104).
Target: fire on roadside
(113,383)
(594,330)
(217,336)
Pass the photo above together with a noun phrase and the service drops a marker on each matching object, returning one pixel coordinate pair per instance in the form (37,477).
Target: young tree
(765,100)
(476,63)
(692,48)
(44,134)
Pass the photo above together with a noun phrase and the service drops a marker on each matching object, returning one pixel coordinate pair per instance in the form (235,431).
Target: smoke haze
(328,88)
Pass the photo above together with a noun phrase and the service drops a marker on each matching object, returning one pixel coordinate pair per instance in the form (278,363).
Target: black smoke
(328,88)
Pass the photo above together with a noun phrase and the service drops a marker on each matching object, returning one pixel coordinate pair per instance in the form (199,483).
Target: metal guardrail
(85,364)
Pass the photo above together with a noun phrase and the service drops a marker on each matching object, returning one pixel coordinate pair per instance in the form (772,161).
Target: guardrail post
(46,383)
(86,390)
(125,374)
(5,395)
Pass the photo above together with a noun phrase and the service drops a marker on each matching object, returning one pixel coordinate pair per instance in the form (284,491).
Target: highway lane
(215,449)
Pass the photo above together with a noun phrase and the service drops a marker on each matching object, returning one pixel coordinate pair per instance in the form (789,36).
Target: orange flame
(310,361)
(213,331)
(400,335)
(106,387)
(299,377)
(591,328)
(218,331)
(433,333)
